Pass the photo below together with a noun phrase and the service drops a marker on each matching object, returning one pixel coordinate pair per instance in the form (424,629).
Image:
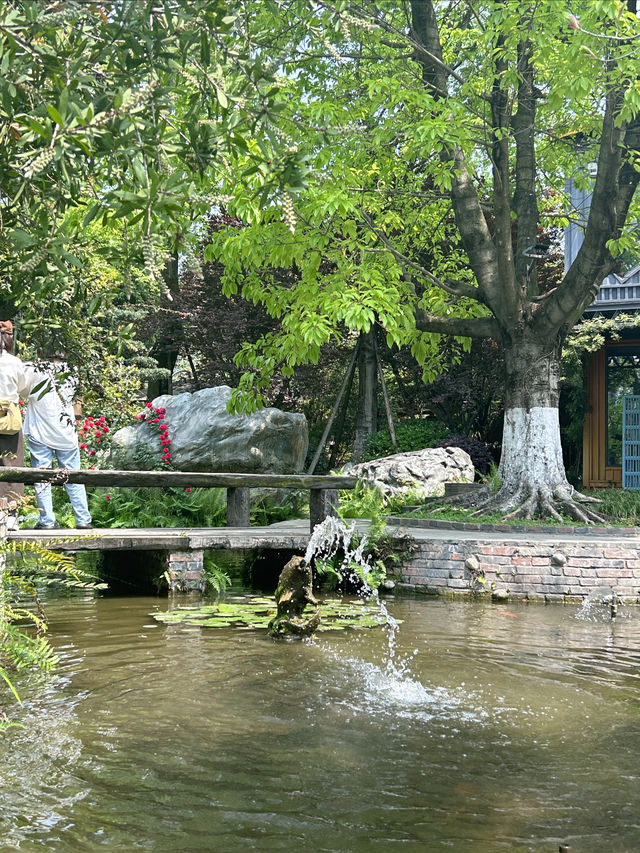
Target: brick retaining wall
(185,570)
(555,570)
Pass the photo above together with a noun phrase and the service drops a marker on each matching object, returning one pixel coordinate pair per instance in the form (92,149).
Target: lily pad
(255,613)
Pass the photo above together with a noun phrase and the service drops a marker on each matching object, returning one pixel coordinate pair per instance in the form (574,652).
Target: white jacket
(15,377)
(50,419)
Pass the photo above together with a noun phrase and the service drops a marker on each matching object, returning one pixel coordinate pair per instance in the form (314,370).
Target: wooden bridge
(182,549)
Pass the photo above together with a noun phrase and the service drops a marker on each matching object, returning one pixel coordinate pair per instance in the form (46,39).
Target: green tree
(127,111)
(439,137)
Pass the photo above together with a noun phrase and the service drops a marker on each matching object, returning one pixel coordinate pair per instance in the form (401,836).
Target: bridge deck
(284,535)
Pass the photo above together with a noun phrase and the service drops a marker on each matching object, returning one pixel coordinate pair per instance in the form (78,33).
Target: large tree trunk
(532,472)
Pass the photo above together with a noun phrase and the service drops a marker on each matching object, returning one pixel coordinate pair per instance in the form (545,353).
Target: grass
(619,507)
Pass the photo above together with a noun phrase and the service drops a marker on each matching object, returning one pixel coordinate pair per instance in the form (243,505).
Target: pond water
(481,728)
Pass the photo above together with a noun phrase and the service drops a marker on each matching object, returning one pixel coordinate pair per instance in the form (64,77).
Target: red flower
(148,405)
(187,489)
(92,453)
(84,447)
(107,497)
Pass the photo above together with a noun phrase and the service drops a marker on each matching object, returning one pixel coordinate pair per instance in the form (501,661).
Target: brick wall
(185,570)
(557,571)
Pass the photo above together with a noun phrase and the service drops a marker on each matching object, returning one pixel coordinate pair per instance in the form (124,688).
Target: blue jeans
(42,457)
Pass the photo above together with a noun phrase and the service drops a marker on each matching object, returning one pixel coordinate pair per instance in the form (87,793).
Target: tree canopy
(404,161)
(438,138)
(123,112)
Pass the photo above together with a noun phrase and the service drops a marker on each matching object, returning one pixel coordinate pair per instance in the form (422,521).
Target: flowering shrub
(156,416)
(93,434)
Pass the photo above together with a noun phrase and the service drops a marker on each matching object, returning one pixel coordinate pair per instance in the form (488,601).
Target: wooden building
(613,372)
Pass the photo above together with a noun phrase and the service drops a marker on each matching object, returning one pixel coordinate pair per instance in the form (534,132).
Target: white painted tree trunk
(533,478)
(531,451)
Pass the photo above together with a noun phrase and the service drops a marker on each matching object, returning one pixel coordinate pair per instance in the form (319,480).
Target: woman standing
(14,380)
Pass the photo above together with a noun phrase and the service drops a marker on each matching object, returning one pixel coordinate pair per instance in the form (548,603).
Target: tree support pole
(385,396)
(346,381)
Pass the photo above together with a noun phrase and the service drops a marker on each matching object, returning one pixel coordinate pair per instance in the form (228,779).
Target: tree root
(529,501)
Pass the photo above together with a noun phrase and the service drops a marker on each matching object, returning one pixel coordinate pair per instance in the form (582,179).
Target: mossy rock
(254,613)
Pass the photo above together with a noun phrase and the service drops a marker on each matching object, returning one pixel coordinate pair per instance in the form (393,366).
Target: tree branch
(458,289)
(470,219)
(465,327)
(607,213)
(501,108)
(525,200)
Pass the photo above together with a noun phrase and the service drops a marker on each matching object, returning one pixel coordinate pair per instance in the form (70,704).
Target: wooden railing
(323,489)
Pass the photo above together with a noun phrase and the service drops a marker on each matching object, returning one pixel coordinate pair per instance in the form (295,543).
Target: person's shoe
(40,525)
(88,526)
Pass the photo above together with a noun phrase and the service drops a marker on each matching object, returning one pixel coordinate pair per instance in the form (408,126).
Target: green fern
(216,579)
(152,507)
(25,567)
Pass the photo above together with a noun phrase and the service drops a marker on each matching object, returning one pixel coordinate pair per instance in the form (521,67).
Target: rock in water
(205,437)
(293,593)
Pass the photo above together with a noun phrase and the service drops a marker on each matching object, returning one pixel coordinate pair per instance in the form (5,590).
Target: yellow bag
(10,418)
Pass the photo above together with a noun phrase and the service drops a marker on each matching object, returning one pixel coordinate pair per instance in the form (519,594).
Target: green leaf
(55,115)
(21,239)
(222,98)
(94,210)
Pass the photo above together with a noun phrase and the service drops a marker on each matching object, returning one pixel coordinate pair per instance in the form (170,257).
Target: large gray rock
(423,472)
(205,437)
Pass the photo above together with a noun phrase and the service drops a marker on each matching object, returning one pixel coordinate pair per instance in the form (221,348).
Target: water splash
(390,687)
(331,537)
(601,604)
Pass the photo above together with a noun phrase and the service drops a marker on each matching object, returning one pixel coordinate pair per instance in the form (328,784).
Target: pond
(479,728)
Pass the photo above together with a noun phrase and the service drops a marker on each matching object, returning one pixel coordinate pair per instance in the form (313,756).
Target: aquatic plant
(254,613)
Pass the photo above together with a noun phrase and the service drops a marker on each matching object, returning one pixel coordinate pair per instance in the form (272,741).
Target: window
(622,377)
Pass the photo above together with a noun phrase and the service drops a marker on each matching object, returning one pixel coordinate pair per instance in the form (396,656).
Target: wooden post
(238,506)
(322,502)
(4,512)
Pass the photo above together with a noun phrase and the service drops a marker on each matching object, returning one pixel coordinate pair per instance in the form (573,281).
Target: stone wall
(554,570)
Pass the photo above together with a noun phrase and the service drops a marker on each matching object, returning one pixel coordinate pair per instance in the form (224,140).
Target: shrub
(410,435)
(479,452)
